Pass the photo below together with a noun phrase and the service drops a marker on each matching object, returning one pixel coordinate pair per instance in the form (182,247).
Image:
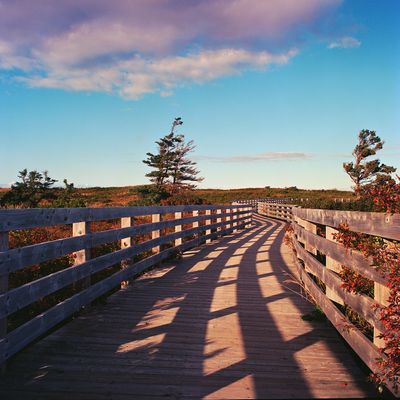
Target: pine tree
(363,172)
(163,160)
(172,168)
(184,172)
(32,188)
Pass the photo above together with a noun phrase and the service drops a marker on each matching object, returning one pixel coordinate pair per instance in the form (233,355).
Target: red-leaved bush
(385,257)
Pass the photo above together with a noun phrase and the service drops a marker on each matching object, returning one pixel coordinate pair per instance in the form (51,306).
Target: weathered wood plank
(81,256)
(210,327)
(155,234)
(381,296)
(276,210)
(24,295)
(126,222)
(365,349)
(37,217)
(333,265)
(350,258)
(178,228)
(16,259)
(25,334)
(362,304)
(208,222)
(372,223)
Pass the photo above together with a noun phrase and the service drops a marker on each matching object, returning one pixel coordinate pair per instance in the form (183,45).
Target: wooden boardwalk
(223,322)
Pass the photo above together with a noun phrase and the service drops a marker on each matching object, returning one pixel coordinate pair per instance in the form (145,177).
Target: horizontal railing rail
(320,259)
(287,200)
(172,229)
(254,202)
(276,210)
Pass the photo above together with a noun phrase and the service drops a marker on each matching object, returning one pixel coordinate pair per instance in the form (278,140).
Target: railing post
(228,218)
(195,224)
(310,227)
(80,229)
(126,222)
(234,218)
(156,233)
(381,296)
(178,228)
(249,215)
(208,222)
(332,265)
(4,244)
(219,220)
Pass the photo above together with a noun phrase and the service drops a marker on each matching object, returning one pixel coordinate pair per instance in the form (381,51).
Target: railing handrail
(372,223)
(25,218)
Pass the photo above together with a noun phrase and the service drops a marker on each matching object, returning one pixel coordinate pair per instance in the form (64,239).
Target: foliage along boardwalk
(222,322)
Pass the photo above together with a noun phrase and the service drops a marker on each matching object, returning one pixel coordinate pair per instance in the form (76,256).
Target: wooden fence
(173,229)
(254,202)
(320,258)
(276,210)
(285,200)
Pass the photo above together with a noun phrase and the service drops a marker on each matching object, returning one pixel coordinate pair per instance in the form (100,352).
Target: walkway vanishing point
(223,322)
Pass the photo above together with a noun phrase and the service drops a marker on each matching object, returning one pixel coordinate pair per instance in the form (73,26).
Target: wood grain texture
(16,259)
(23,335)
(276,210)
(365,349)
(26,294)
(36,217)
(360,303)
(81,256)
(155,234)
(223,322)
(372,223)
(348,257)
(178,228)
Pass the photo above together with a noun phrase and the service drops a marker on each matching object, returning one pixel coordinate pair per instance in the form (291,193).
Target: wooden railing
(173,229)
(276,210)
(320,258)
(254,202)
(286,200)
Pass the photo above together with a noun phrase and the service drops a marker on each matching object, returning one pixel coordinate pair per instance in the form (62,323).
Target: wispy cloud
(136,47)
(346,42)
(268,156)
(137,76)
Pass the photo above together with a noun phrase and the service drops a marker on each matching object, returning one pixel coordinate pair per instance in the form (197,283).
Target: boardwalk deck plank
(222,322)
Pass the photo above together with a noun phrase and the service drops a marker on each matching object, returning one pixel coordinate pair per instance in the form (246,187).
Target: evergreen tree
(363,172)
(172,168)
(163,160)
(184,172)
(32,188)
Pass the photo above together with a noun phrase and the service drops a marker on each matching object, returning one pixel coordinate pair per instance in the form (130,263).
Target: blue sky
(273,93)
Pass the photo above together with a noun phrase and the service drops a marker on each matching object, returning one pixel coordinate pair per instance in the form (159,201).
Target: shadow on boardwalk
(223,322)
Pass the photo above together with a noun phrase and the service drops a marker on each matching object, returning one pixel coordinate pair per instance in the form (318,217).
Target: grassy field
(123,196)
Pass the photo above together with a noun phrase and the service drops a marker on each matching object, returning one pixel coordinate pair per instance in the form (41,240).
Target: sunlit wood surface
(223,322)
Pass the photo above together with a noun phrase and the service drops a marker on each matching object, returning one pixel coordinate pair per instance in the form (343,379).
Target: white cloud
(346,42)
(137,76)
(145,46)
(268,156)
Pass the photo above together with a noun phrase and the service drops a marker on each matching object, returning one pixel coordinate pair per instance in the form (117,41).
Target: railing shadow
(210,327)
